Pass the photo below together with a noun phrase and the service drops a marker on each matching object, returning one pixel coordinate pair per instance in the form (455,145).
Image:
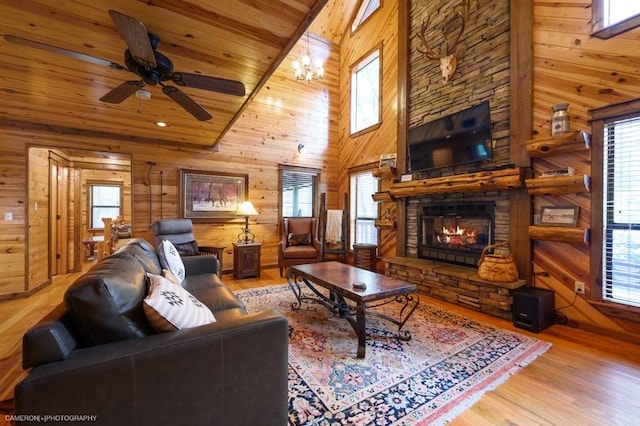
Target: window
(363,210)
(616,258)
(104,201)
(365,93)
(366,9)
(613,17)
(298,191)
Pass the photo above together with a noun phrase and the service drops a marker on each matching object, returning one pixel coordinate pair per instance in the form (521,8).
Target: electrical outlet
(579,287)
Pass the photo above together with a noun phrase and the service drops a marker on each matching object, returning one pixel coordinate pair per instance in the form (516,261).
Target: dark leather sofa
(96,354)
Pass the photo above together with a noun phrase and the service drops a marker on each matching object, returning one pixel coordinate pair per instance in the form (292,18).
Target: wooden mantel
(490,180)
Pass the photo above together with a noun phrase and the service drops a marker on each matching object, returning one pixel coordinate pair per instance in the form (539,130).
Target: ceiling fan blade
(135,35)
(70,53)
(214,84)
(122,92)
(191,106)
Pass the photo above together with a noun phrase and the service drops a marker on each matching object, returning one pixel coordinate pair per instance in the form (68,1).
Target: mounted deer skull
(448,62)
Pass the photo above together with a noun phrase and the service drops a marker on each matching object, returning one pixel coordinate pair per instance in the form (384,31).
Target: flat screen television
(460,138)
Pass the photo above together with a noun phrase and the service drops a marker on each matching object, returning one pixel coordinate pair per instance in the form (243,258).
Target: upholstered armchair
(180,233)
(299,243)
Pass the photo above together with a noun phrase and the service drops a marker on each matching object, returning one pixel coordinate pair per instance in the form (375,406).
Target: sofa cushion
(105,304)
(143,252)
(299,252)
(170,259)
(170,307)
(210,290)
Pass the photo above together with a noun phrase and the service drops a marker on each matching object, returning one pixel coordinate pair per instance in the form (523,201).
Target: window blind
(298,189)
(364,211)
(621,233)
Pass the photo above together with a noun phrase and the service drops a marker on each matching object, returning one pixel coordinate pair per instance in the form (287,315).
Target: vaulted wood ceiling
(242,40)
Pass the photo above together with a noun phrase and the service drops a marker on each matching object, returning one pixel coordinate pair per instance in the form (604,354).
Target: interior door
(59,217)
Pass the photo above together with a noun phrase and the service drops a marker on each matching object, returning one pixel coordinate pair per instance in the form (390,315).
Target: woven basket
(497,267)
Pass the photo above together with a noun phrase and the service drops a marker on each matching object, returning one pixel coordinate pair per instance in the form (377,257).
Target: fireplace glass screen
(455,233)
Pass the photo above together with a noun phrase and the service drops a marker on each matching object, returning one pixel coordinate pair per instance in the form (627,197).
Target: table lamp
(246,209)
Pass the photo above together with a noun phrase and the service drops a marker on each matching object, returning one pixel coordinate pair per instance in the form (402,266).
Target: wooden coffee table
(338,278)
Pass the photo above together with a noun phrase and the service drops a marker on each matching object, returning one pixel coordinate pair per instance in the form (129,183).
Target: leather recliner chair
(180,233)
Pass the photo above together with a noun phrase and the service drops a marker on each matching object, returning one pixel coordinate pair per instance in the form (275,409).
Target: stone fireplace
(483,74)
(445,237)
(455,232)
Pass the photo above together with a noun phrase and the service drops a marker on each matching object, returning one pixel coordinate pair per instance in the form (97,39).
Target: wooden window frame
(357,12)
(599,117)
(357,66)
(90,185)
(316,183)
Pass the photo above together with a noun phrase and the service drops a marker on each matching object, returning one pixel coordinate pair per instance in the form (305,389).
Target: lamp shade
(247,209)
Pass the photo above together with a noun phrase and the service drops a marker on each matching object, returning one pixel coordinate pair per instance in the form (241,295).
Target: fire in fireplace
(455,232)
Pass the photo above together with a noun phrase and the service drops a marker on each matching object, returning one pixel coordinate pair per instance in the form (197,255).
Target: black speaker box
(533,308)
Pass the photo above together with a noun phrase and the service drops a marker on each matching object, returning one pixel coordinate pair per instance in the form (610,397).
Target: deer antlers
(448,62)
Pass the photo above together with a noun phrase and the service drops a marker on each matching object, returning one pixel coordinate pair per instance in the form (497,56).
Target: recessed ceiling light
(161,124)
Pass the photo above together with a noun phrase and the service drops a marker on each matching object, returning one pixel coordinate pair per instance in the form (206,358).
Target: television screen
(459,138)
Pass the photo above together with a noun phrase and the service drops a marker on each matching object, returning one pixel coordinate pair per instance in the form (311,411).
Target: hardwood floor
(584,379)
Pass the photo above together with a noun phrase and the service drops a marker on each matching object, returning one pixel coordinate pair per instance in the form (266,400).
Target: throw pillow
(170,307)
(170,276)
(170,259)
(187,249)
(299,239)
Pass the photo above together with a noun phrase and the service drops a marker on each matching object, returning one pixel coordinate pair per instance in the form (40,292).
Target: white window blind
(363,210)
(298,193)
(621,233)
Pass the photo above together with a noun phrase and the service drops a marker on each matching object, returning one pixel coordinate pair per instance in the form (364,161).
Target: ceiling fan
(153,68)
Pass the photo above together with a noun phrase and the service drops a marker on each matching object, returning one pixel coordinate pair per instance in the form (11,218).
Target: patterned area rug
(446,366)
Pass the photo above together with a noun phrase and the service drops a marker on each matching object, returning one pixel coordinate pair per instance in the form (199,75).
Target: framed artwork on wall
(211,196)
(559,216)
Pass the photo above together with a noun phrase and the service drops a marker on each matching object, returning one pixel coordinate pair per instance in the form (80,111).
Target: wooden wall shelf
(383,197)
(511,178)
(384,172)
(385,224)
(560,234)
(568,142)
(557,185)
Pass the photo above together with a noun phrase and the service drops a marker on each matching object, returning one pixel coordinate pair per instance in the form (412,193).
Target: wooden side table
(364,256)
(246,260)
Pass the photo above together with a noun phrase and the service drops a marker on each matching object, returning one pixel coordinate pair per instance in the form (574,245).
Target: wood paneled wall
(284,114)
(381,29)
(586,72)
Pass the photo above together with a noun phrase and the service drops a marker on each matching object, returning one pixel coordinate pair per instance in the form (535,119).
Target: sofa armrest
(211,374)
(195,265)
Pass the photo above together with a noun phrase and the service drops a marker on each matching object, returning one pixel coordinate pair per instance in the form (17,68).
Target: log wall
(380,29)
(572,67)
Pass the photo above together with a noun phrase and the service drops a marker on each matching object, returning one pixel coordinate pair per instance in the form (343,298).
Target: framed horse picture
(211,196)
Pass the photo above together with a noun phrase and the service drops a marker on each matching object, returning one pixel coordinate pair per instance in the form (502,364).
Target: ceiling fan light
(142,94)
